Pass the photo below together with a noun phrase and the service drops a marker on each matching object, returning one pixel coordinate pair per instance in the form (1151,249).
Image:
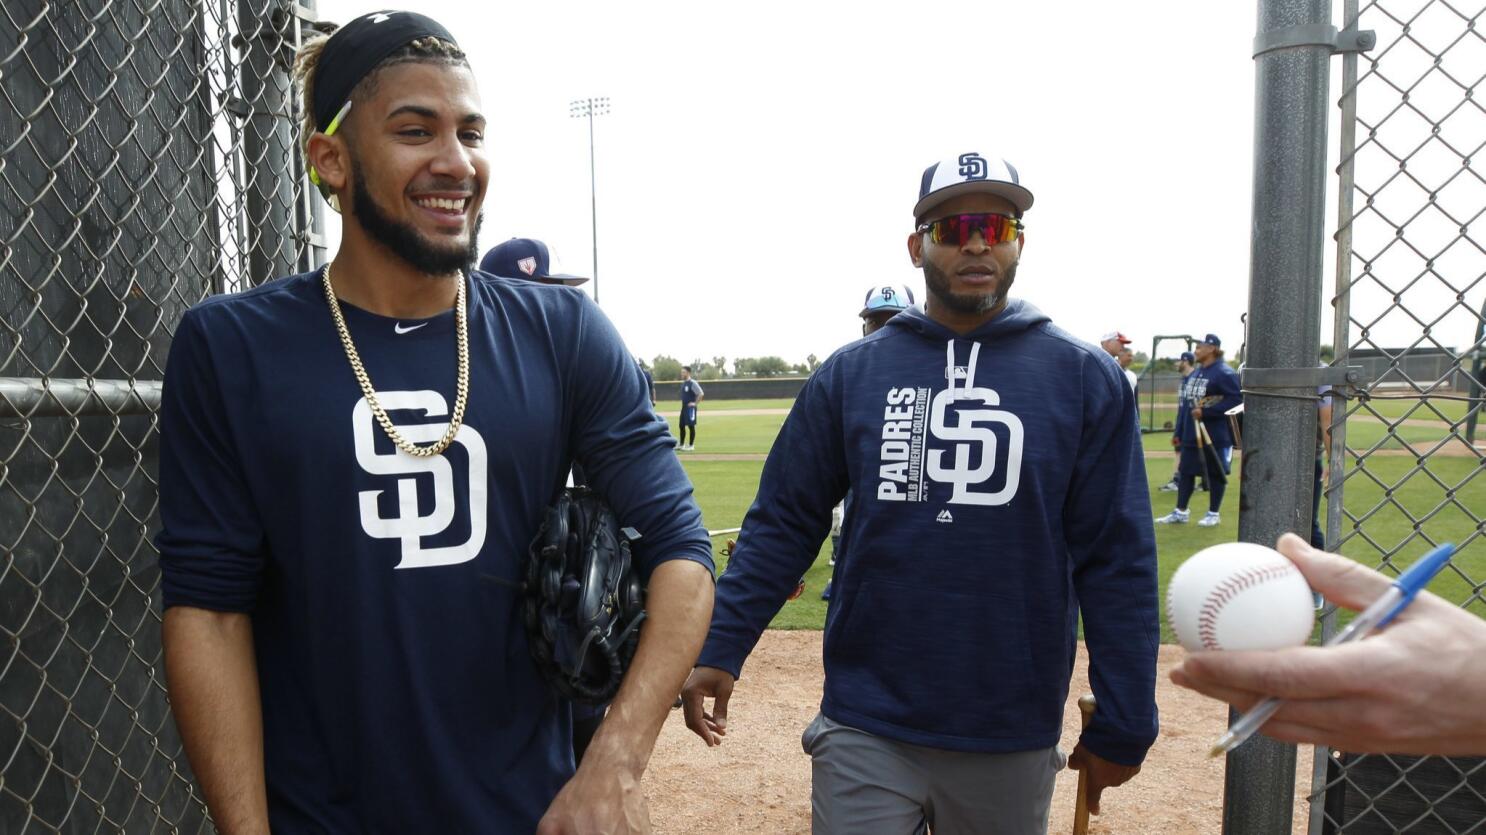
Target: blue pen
(1374,617)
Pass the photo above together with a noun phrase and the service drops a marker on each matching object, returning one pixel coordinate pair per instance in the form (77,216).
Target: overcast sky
(757,173)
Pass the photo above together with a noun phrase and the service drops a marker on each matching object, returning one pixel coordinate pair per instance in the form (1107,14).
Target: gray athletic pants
(868,784)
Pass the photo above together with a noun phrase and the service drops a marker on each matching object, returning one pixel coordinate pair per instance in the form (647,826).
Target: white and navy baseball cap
(970,173)
(526,258)
(895,298)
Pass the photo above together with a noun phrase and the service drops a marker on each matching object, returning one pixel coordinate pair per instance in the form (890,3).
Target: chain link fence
(146,161)
(1405,470)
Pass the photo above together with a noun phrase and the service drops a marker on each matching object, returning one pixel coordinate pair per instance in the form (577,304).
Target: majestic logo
(408,525)
(527,265)
(944,516)
(398,328)
(973,166)
(956,437)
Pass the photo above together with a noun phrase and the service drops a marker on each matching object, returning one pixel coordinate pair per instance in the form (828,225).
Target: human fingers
(1341,580)
(1241,699)
(1294,673)
(691,708)
(1076,759)
(720,705)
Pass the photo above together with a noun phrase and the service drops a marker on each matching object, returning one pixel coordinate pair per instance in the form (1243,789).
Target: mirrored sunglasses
(955,230)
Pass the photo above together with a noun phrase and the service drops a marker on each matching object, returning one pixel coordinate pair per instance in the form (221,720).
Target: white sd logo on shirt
(408,525)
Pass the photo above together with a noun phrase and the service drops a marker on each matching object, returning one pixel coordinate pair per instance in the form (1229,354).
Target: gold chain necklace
(462,389)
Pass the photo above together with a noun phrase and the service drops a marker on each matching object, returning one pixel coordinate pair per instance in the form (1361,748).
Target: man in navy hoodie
(1207,395)
(997,491)
(353,463)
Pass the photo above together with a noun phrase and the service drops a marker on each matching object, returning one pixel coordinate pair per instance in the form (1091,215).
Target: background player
(1126,358)
(1209,392)
(532,260)
(880,305)
(1185,364)
(691,395)
(527,258)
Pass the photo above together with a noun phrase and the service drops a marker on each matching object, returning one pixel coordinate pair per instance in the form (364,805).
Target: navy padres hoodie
(997,490)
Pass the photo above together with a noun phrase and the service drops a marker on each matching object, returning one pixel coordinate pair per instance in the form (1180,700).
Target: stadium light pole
(587,109)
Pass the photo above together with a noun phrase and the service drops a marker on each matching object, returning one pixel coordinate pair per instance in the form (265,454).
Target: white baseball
(1239,595)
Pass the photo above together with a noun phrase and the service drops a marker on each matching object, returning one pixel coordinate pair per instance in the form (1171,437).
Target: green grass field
(1395,513)
(1436,409)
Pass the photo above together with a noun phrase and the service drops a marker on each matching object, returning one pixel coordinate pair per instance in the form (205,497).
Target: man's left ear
(916,248)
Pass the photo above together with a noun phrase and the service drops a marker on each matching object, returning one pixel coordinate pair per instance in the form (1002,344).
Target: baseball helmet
(894,297)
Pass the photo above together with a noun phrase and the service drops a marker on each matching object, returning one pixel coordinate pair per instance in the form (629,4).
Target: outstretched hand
(1414,688)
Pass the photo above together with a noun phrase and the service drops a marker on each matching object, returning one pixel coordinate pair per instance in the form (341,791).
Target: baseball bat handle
(1086,706)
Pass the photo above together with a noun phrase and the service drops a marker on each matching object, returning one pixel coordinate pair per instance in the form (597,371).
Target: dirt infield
(758,781)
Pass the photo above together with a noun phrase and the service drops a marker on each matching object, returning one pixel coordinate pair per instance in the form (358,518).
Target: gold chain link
(462,389)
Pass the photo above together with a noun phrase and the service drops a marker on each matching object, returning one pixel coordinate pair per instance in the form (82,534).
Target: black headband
(357,48)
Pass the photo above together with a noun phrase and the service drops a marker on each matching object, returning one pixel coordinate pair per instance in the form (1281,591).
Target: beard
(938,283)
(405,241)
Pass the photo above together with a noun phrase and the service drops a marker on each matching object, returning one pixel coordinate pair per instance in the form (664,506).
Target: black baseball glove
(583,600)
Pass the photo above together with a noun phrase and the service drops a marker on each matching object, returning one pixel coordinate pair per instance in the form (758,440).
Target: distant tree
(666,368)
(743,366)
(1328,354)
(770,366)
(703,370)
(800,368)
(1141,358)
(721,363)
(812,362)
(643,364)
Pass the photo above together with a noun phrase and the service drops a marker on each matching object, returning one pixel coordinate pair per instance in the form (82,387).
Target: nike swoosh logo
(400,329)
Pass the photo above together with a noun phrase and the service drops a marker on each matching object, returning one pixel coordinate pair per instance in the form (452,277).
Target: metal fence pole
(1289,236)
(1321,761)
(313,251)
(265,39)
(1477,379)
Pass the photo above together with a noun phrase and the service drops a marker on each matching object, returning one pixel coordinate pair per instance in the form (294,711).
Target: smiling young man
(351,470)
(990,505)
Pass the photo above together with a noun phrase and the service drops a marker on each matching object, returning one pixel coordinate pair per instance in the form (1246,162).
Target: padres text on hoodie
(997,489)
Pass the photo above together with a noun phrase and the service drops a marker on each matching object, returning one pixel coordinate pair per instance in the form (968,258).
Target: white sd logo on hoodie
(906,463)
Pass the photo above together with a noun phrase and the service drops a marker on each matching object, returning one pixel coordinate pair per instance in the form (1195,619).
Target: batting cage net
(1405,469)
(146,161)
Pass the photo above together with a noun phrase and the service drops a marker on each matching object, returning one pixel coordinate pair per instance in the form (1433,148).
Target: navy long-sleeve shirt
(398,692)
